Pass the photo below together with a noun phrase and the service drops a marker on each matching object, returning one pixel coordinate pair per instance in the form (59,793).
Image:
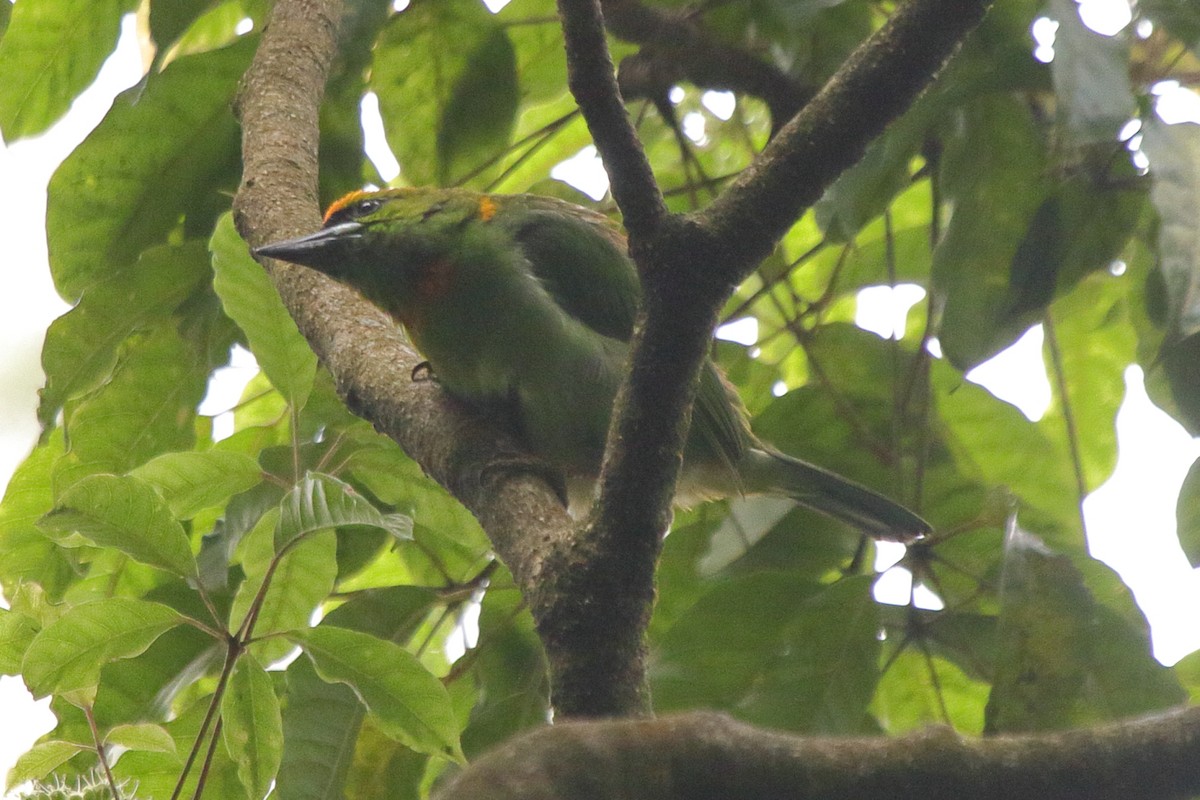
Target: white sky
(1130,519)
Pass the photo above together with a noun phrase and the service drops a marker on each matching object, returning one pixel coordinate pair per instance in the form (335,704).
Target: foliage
(161,576)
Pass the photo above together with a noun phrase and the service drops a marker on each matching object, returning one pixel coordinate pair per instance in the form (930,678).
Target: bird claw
(530,465)
(423,372)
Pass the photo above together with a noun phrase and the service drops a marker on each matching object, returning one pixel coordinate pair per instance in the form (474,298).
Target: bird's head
(409,225)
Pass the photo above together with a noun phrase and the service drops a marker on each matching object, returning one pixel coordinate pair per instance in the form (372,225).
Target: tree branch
(675,48)
(597,600)
(705,755)
(879,81)
(366,353)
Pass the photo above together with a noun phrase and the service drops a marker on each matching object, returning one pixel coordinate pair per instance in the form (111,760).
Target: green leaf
(993,172)
(159,158)
(250,299)
(16,632)
(29,557)
(1187,514)
(68,653)
(409,703)
(719,646)
(192,481)
(253,728)
(1063,659)
(322,721)
(320,502)
(40,760)
(300,581)
(446,77)
(1174,152)
(823,676)
(919,690)
(143,736)
(321,724)
(1091,77)
(147,407)
(1095,346)
(125,513)
(49,54)
(82,346)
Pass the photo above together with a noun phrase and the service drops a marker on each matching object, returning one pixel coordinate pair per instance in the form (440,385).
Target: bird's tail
(772,472)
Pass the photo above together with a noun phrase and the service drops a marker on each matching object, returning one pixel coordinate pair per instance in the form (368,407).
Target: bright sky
(1130,520)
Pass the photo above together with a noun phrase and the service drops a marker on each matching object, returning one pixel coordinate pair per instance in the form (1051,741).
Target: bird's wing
(580,258)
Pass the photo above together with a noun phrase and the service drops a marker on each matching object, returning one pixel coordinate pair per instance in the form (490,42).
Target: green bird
(527,304)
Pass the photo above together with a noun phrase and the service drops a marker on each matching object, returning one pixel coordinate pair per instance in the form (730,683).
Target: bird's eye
(364,207)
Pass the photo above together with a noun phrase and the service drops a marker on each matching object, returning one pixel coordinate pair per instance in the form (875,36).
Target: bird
(526,304)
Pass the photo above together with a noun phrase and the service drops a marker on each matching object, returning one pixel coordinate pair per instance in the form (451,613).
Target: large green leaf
(993,172)
(160,159)
(125,513)
(16,632)
(446,77)
(1091,77)
(49,54)
(409,703)
(1174,152)
(250,299)
(192,481)
(28,555)
(146,408)
(252,727)
(1187,514)
(322,721)
(1061,656)
(67,654)
(42,759)
(319,502)
(82,346)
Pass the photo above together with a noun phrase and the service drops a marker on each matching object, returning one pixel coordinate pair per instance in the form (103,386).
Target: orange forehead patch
(343,201)
(487,208)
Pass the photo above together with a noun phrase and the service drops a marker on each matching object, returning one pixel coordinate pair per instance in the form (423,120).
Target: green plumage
(526,304)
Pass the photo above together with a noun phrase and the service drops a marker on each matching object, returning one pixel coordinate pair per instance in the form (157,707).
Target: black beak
(322,250)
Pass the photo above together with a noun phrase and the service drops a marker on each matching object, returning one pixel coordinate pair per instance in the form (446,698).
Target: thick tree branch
(368,357)
(704,755)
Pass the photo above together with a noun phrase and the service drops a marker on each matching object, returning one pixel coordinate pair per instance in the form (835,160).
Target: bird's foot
(423,372)
(527,464)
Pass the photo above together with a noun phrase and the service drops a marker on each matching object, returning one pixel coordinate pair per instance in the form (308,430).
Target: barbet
(527,304)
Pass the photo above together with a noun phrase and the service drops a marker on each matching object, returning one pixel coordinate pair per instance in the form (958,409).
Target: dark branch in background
(879,81)
(370,360)
(703,755)
(675,48)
